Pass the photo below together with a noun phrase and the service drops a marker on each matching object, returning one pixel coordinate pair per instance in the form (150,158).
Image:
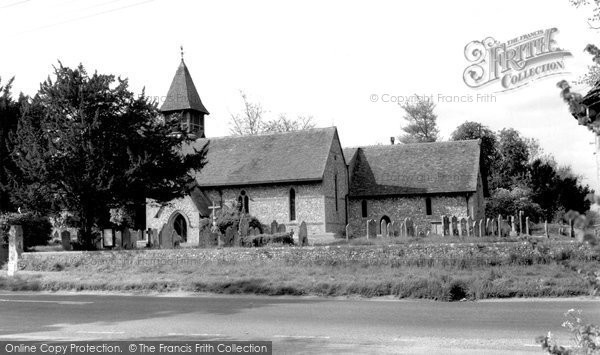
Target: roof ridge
(273,133)
(411,144)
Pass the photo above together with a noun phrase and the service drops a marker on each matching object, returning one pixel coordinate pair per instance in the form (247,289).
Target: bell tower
(183,99)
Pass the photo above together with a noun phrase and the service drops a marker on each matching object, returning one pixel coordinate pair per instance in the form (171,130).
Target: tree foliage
(85,144)
(9,115)
(421,122)
(252,120)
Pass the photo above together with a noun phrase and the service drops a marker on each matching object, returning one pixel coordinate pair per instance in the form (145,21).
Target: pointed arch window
(243,202)
(363,207)
(292,204)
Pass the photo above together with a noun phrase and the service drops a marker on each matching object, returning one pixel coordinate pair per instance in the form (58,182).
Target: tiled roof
(407,169)
(265,159)
(182,94)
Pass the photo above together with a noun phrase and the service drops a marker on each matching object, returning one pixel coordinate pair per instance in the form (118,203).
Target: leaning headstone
(527,225)
(65,238)
(281,228)
(15,249)
(274,227)
(126,238)
(348,231)
(383,228)
(454,226)
(371,229)
(303,234)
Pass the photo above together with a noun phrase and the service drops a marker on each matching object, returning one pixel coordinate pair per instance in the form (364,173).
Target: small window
(364,208)
(428,205)
(243,202)
(335,186)
(292,204)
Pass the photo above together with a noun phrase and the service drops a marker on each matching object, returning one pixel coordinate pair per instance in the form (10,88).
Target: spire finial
(181,52)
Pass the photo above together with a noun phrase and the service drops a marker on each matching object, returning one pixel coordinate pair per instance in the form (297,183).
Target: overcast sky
(319,58)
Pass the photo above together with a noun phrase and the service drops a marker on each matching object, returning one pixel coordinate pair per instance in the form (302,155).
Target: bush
(36,229)
(228,217)
(264,239)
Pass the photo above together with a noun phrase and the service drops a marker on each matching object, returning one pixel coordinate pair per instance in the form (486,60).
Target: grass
(445,272)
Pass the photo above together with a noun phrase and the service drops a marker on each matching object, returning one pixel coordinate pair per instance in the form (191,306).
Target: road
(295,325)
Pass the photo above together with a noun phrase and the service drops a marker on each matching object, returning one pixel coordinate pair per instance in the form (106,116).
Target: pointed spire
(182,94)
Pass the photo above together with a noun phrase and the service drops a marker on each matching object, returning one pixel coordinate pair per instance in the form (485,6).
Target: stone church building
(306,176)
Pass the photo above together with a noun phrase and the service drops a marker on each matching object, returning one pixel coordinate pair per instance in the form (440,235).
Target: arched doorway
(386,219)
(180,227)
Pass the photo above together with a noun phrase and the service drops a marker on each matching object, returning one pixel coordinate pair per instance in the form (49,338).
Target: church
(306,176)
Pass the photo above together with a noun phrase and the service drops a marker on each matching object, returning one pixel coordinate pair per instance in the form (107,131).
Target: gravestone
(389,231)
(402,230)
(469,226)
(135,236)
(395,229)
(15,249)
(416,231)
(461,224)
(155,238)
(521,222)
(383,228)
(475,228)
(481,228)
(274,227)
(487,226)
(412,231)
(108,238)
(65,238)
(165,237)
(229,237)
(513,227)
(244,226)
(454,226)
(499,225)
(527,225)
(303,234)
(371,229)
(126,238)
(281,228)
(118,239)
(348,231)
(220,239)
(204,237)
(446,226)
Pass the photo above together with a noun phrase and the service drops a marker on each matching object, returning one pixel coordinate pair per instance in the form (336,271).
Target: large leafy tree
(85,143)
(9,115)
(421,121)
(489,153)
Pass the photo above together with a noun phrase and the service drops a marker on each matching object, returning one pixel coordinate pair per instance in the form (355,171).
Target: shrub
(264,239)
(585,336)
(36,229)
(228,217)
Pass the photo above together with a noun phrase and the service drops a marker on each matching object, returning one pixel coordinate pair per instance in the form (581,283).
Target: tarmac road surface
(295,324)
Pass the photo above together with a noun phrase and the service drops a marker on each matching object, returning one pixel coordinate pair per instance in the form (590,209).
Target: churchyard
(494,259)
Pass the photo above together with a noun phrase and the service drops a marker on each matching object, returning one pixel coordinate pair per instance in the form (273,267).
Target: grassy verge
(446,272)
